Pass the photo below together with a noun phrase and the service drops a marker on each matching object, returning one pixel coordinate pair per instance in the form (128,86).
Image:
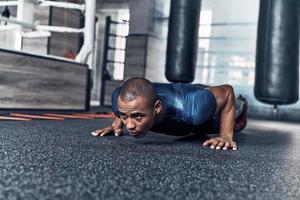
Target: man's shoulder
(183,88)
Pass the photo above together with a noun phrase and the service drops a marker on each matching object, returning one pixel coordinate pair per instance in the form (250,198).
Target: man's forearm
(227,120)
(226,108)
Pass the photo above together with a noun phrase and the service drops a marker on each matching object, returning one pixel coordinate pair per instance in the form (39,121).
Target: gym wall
(226,53)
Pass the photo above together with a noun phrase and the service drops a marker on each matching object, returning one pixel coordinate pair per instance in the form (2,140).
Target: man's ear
(158,106)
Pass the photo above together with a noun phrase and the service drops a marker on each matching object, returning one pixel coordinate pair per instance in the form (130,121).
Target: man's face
(137,115)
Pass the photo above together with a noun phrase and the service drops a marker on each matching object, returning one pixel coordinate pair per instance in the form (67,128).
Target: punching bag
(277,52)
(182,40)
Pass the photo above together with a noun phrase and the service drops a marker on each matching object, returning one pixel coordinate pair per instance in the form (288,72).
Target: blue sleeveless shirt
(186,107)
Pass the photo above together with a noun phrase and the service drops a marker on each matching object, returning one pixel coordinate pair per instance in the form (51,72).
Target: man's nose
(130,125)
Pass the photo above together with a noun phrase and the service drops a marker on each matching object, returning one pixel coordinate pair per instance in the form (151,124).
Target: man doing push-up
(177,109)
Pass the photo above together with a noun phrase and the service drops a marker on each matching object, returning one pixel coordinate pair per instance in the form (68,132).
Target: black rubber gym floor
(45,159)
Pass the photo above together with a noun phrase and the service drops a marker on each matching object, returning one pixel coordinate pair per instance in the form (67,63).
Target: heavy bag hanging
(182,40)
(277,52)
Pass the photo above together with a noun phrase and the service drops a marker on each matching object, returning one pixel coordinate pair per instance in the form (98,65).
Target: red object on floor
(35,116)
(14,118)
(70,116)
(108,115)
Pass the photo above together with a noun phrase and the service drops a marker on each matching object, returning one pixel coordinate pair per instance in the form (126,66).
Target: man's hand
(226,108)
(115,128)
(220,143)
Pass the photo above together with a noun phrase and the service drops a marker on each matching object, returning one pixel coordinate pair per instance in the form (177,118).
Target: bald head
(135,87)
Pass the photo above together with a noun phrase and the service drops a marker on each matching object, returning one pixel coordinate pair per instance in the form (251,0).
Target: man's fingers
(226,146)
(105,132)
(220,144)
(233,145)
(97,132)
(214,143)
(208,142)
(102,132)
(118,132)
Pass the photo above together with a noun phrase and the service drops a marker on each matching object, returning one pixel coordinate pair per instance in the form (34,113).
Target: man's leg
(241,114)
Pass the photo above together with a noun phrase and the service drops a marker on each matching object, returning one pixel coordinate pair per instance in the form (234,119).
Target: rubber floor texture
(61,160)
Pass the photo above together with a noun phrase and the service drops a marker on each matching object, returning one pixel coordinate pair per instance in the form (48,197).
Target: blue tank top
(186,106)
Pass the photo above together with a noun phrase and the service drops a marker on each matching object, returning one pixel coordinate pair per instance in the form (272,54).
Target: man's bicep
(221,93)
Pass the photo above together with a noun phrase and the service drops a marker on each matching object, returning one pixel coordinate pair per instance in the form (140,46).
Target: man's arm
(226,108)
(117,124)
(115,128)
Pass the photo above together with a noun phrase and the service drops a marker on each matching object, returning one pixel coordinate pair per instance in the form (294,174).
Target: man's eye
(123,116)
(138,117)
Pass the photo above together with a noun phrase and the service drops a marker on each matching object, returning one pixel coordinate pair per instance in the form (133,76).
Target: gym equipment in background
(182,40)
(277,53)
